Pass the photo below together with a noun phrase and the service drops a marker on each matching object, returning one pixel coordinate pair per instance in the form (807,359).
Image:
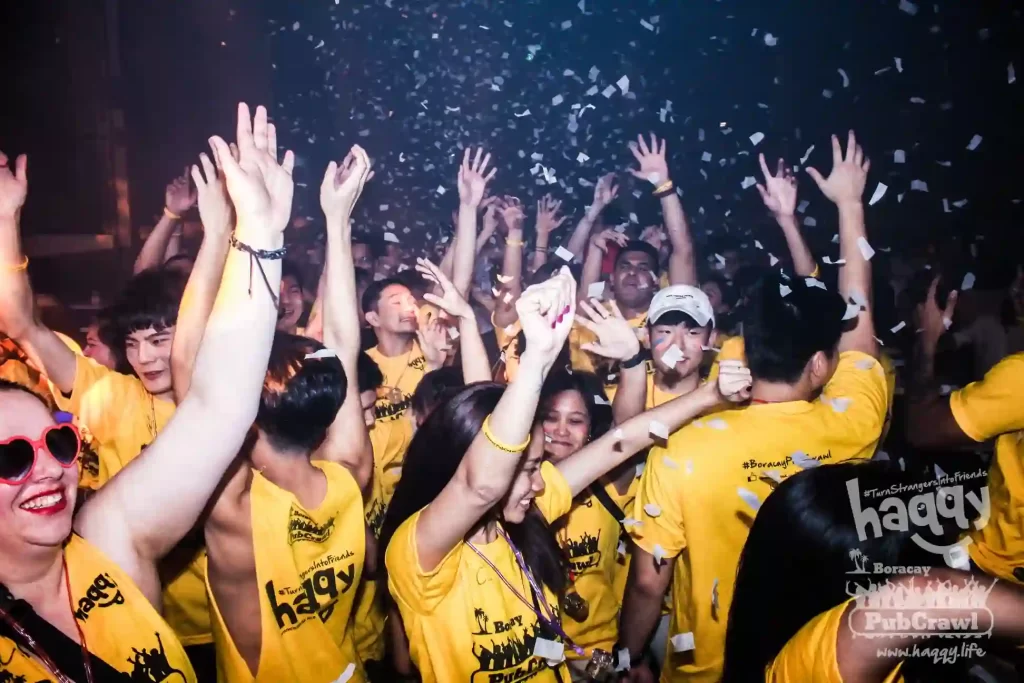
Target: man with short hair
(818,395)
(291,300)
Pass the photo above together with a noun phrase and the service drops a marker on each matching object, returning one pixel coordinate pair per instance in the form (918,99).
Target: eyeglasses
(18,454)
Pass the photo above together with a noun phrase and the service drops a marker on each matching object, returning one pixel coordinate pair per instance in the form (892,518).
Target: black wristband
(274,255)
(641,357)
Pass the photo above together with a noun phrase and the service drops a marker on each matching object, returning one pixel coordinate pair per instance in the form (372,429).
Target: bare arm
(315,324)
(512,267)
(641,604)
(486,472)
(596,251)
(205,279)
(548,221)
(605,191)
(631,396)
(844,187)
(347,441)
(475,365)
(178,198)
(472,185)
(148,507)
(17,309)
(779,194)
(682,265)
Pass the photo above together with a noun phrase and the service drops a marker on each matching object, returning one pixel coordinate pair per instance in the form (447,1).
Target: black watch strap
(636,360)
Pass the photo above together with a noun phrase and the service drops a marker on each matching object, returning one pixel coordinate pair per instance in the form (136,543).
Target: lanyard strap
(539,606)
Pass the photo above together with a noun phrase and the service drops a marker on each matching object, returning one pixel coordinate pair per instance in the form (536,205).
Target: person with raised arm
(288,517)
(179,198)
(548,221)
(818,395)
(605,192)
(779,196)
(83,604)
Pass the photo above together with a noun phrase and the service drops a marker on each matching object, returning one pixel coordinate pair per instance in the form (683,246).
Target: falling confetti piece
(899,157)
(390,237)
(322,353)
(596,290)
(659,553)
(772,260)
(837,262)
(827,94)
(917,100)
(973,144)
(672,356)
(770,40)
(683,642)
(669,463)
(658,430)
(878,194)
(960,203)
(968,282)
(865,249)
(801,459)
(918,186)
(652,510)
(347,674)
(947,323)
(784,291)
(852,311)
(908,7)
(756,138)
(441,190)
(548,650)
(840,404)
(898,327)
(750,498)
(748,182)
(803,160)
(582,158)
(773,475)
(706,156)
(846,79)
(623,84)
(814,282)
(899,64)
(639,469)
(601,400)
(630,523)
(1011,74)
(564,254)
(718,423)
(810,221)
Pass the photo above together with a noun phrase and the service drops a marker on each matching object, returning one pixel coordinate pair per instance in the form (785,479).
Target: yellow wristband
(664,187)
(486,429)
(170,214)
(18,267)
(514,243)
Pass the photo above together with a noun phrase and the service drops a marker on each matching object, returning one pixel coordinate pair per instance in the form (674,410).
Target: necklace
(395,393)
(39,652)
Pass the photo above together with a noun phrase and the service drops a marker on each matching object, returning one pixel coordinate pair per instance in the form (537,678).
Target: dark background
(381,78)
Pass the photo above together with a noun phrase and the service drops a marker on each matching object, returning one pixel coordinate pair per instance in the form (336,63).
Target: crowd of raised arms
(594,460)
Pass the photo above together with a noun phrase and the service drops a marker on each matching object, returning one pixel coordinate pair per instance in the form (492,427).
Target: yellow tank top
(121,627)
(308,566)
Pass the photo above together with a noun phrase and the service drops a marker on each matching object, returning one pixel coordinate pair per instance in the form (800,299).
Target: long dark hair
(797,558)
(430,463)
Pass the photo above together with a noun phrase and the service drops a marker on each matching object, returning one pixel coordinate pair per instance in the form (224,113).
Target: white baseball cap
(685,299)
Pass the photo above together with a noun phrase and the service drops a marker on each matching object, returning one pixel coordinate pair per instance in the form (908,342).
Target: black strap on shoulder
(598,491)
(65,653)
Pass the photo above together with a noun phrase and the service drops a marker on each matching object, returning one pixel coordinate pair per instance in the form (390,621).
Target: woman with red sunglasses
(83,604)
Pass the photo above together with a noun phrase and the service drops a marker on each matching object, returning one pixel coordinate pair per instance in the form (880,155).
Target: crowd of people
(514,456)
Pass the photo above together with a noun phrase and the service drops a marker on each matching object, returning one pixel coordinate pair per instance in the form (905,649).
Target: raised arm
(178,198)
(617,340)
(149,506)
(779,196)
(204,281)
(475,365)
(605,192)
(473,179)
(347,441)
(315,323)
(596,250)
(17,309)
(512,267)
(548,221)
(486,472)
(682,264)
(844,187)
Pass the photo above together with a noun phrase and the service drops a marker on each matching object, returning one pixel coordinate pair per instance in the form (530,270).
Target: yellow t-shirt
(589,537)
(463,623)
(994,407)
(308,566)
(119,418)
(120,625)
(691,500)
(622,553)
(810,655)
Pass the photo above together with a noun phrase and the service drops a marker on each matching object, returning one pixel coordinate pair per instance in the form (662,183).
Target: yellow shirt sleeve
(657,507)
(420,591)
(859,396)
(557,497)
(992,406)
(99,395)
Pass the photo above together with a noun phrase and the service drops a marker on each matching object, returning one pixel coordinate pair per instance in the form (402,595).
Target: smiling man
(292,302)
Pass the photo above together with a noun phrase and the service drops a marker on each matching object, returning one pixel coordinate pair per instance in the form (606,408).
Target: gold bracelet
(486,429)
(664,187)
(170,214)
(19,267)
(514,243)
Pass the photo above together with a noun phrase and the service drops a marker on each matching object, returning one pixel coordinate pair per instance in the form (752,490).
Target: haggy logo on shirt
(583,552)
(301,527)
(508,657)
(102,593)
(322,585)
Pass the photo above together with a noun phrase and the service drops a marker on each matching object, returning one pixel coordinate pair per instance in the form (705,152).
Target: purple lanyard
(548,617)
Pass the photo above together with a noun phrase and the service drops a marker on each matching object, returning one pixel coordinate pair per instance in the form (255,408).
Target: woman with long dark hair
(806,575)
(473,565)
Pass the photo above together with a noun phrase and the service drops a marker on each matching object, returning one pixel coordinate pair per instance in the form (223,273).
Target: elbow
(484,491)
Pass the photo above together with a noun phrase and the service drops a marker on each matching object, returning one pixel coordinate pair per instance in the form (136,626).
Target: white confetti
(772,260)
(322,353)
(622,661)
(647,25)
(441,190)
(672,356)
(756,138)
(960,203)
(840,404)
(623,84)
(658,430)
(899,64)
(968,282)
(582,158)
(669,463)
(548,649)
(973,144)
(639,468)
(629,522)
(557,100)
(525,113)
(846,79)
(750,498)
(748,182)
(652,510)
(918,186)
(899,326)
(609,91)
(1011,74)
(347,674)
(706,156)
(852,311)
(757,243)
(917,100)
(564,254)
(827,94)
(803,160)
(814,282)
(567,24)
(810,221)
(945,206)
(689,467)
(718,423)
(773,475)
(659,553)
(621,549)
(865,249)
(784,291)
(683,642)
(454,332)
(837,262)
(801,459)
(947,323)
(878,194)
(601,400)
(802,206)
(899,157)
(390,237)
(908,7)
(596,290)
(770,40)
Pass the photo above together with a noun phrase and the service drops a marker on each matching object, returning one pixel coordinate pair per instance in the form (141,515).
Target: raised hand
(653,166)
(260,187)
(179,196)
(473,177)
(490,221)
(548,219)
(734,381)
(512,213)
(605,192)
(654,235)
(450,300)
(13,186)
(546,311)
(845,184)
(433,340)
(615,338)
(779,190)
(600,240)
(215,208)
(934,321)
(342,185)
